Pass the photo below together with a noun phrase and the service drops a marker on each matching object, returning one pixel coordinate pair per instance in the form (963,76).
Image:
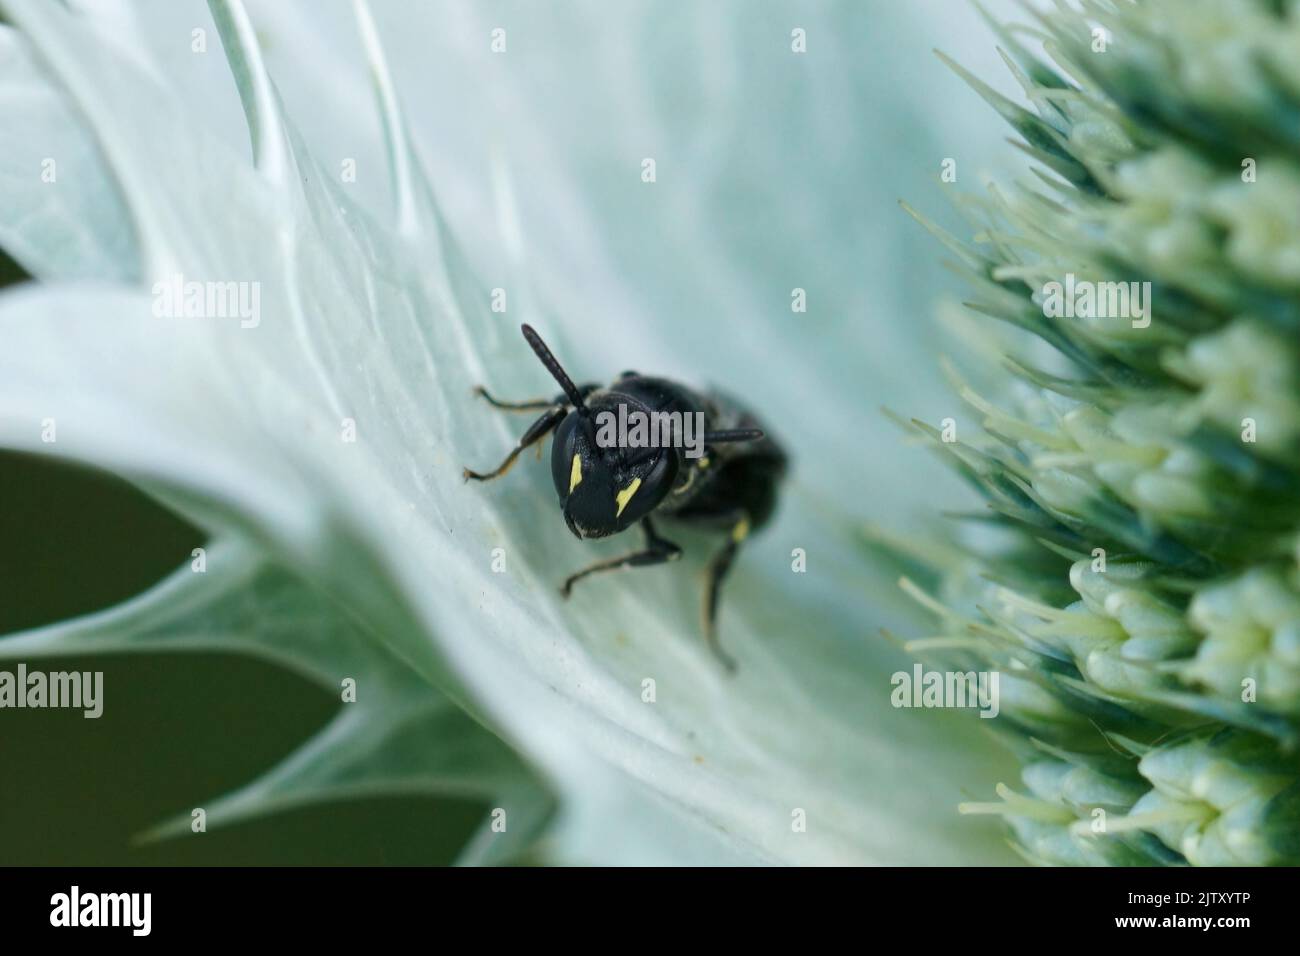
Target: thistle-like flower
(1144,608)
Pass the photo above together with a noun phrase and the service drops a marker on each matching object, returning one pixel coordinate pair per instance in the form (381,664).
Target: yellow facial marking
(740,531)
(704,463)
(575,474)
(624,496)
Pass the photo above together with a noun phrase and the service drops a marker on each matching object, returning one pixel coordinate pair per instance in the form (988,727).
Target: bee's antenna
(553,366)
(733,435)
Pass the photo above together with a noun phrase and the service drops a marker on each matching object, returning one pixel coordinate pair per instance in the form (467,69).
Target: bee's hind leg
(717,571)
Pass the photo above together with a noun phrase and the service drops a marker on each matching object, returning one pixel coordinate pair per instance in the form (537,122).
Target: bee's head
(605,490)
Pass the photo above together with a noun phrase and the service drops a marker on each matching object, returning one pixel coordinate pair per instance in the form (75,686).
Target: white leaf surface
(385,323)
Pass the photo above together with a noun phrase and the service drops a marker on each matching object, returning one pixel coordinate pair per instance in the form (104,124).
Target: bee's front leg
(657,551)
(536,432)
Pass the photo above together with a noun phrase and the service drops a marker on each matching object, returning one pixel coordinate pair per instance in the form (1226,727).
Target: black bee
(727,481)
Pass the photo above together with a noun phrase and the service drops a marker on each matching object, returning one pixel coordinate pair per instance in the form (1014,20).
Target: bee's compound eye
(566,456)
(642,493)
(625,495)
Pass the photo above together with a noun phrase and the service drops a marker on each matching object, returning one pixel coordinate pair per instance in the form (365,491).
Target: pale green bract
(370,559)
